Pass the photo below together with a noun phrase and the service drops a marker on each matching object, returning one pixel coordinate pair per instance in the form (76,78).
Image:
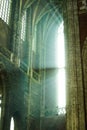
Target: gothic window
(5,9)
(36,54)
(61,70)
(23,27)
(23,43)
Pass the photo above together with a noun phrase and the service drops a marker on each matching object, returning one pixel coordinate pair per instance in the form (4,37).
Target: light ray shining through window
(61,68)
(61,88)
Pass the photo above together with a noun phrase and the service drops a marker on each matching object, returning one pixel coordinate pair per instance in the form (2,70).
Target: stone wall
(4,34)
(82,16)
(54,123)
(16,87)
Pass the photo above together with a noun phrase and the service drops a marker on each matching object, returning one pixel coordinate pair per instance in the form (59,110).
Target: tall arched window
(23,42)
(23,26)
(5,9)
(61,70)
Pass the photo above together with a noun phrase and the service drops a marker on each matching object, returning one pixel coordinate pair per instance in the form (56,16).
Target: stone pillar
(75,113)
(43,73)
(84,61)
(17,29)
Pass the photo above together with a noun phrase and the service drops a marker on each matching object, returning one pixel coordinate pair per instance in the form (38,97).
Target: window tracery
(5,8)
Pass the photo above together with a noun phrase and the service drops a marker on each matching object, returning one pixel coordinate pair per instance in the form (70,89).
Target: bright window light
(60,48)
(61,69)
(5,8)
(23,27)
(61,88)
(0,105)
(12,124)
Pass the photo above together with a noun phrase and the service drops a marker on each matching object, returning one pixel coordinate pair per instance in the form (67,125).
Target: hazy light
(61,88)
(60,47)
(61,68)
(12,124)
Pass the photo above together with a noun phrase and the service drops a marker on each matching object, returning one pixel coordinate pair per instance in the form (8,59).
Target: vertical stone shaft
(75,95)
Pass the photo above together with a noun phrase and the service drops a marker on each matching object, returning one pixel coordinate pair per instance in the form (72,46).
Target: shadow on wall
(54,123)
(34,124)
(4,34)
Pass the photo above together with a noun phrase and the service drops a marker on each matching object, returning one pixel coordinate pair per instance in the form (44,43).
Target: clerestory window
(5,9)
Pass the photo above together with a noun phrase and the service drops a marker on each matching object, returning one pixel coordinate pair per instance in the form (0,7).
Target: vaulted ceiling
(52,8)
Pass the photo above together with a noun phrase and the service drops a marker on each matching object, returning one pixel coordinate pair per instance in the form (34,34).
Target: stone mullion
(74,121)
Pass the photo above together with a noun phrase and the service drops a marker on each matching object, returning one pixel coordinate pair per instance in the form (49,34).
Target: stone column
(43,73)
(17,29)
(75,113)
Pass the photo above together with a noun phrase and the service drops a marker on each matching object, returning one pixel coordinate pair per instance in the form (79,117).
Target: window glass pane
(5,8)
(60,47)
(61,70)
(23,27)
